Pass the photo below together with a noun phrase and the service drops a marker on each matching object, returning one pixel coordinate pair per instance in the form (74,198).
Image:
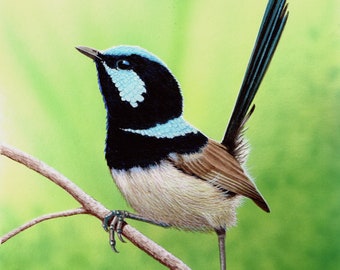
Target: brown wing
(215,165)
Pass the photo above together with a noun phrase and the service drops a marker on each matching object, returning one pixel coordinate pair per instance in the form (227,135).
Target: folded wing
(216,166)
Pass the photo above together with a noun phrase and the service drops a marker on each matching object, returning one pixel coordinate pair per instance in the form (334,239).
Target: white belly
(165,194)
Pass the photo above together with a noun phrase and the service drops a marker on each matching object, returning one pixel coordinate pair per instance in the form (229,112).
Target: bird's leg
(221,245)
(115,222)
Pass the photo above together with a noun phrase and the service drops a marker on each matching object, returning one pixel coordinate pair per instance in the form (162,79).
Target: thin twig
(88,203)
(89,206)
(37,220)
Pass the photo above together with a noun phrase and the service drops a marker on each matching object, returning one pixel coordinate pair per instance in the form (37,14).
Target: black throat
(125,150)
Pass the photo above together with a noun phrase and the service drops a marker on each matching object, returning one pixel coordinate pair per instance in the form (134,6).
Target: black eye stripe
(123,64)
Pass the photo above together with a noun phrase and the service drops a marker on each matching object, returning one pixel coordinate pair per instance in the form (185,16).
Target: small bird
(168,171)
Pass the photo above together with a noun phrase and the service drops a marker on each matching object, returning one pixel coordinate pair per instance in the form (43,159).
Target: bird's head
(138,89)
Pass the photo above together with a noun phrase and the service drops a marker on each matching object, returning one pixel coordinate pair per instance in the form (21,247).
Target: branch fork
(88,206)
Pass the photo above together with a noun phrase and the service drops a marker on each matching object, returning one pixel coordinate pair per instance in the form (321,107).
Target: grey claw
(112,223)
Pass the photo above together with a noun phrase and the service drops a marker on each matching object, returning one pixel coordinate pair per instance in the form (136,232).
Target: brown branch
(37,220)
(89,206)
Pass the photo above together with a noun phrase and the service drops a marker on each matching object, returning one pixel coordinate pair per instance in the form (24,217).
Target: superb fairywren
(168,171)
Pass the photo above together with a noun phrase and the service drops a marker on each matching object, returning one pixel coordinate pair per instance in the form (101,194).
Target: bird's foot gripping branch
(88,206)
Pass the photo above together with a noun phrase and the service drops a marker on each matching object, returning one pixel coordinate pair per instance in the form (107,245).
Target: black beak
(89,52)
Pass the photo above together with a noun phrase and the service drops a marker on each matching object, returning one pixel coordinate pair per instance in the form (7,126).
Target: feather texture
(216,166)
(166,194)
(273,23)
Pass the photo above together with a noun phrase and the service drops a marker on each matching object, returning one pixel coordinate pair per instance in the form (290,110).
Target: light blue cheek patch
(171,129)
(131,88)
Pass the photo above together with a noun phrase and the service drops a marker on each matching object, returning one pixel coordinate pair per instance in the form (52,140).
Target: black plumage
(167,170)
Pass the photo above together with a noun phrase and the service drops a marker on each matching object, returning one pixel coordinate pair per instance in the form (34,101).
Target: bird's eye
(123,64)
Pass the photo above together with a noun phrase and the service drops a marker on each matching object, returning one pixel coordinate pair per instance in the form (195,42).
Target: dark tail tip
(262,204)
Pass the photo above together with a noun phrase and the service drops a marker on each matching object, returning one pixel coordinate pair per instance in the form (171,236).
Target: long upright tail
(272,25)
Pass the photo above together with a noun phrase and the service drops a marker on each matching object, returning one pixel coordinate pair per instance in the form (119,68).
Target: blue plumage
(124,50)
(167,170)
(171,129)
(131,88)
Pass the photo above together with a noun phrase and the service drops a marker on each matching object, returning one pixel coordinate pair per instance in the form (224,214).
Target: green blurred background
(50,107)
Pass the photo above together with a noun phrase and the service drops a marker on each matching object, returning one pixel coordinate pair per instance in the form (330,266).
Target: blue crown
(123,50)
